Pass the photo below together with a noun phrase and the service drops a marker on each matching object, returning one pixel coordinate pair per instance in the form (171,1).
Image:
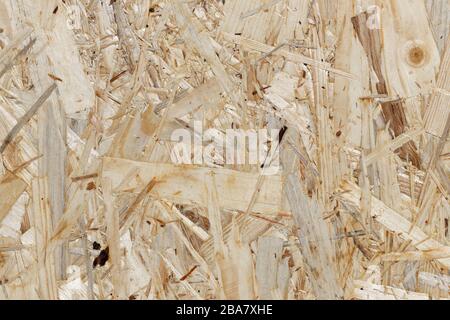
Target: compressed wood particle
(257,149)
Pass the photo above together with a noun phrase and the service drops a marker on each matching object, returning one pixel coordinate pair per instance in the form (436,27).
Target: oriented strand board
(224,149)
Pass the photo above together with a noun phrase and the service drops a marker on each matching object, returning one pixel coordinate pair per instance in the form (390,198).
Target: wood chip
(176,150)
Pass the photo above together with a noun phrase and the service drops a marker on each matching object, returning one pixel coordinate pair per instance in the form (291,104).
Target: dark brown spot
(416,55)
(96,246)
(282,133)
(102,258)
(188,274)
(91,186)
(56,78)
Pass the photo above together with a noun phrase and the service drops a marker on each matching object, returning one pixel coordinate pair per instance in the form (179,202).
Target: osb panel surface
(98,201)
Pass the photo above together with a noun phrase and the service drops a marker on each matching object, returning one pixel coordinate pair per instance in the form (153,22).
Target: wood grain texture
(258,149)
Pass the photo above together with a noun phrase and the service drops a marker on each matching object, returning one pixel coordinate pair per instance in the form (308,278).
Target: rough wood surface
(224,149)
